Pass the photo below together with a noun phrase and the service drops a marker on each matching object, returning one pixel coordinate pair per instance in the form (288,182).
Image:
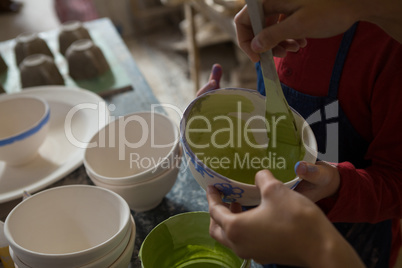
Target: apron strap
(340,61)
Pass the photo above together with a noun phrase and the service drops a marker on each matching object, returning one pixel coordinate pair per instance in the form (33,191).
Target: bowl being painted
(234,191)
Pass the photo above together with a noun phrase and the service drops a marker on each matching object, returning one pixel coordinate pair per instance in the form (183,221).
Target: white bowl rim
(30,130)
(131,242)
(137,175)
(129,233)
(199,162)
(15,259)
(13,243)
(160,176)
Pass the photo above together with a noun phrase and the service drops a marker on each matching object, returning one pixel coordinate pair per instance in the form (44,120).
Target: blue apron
(371,241)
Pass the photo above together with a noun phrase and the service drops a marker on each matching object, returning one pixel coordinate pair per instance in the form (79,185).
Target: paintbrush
(278,112)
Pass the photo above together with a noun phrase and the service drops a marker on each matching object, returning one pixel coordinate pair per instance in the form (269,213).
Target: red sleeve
(366,195)
(375,194)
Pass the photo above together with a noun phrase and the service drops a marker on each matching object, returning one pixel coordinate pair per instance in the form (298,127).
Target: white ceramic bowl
(114,254)
(17,262)
(146,195)
(116,257)
(24,123)
(125,258)
(235,191)
(67,226)
(132,149)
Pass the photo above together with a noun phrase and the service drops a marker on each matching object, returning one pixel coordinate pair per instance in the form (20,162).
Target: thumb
(309,172)
(216,74)
(316,173)
(211,85)
(319,180)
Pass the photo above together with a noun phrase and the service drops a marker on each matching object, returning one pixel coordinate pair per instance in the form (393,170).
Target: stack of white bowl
(71,226)
(137,156)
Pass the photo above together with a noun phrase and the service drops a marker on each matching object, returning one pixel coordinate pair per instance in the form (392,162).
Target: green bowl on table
(184,241)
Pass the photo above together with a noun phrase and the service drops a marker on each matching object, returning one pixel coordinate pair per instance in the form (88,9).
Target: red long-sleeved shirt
(370,94)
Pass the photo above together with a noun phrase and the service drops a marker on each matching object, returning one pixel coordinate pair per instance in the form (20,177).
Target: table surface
(186,195)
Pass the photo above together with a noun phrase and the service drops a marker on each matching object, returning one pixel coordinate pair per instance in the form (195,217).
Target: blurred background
(156,33)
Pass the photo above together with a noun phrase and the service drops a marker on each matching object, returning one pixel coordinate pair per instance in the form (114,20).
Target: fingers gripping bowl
(227,138)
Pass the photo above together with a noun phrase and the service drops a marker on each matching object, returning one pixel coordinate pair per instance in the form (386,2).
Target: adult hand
(314,19)
(245,36)
(304,19)
(214,80)
(320,180)
(286,228)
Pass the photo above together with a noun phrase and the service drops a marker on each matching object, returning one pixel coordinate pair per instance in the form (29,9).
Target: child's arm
(372,194)
(348,194)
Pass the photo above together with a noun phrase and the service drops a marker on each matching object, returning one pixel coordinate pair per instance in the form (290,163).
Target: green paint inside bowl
(223,138)
(184,241)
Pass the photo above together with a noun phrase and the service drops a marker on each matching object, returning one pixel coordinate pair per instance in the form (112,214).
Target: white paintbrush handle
(256,14)
(275,100)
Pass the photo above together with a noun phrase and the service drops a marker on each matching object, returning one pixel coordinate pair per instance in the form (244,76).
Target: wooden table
(186,195)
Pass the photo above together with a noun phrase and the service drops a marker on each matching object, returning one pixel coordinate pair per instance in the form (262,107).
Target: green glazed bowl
(184,241)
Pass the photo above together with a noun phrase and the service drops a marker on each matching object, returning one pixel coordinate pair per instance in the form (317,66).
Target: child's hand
(319,181)
(267,233)
(286,228)
(214,79)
